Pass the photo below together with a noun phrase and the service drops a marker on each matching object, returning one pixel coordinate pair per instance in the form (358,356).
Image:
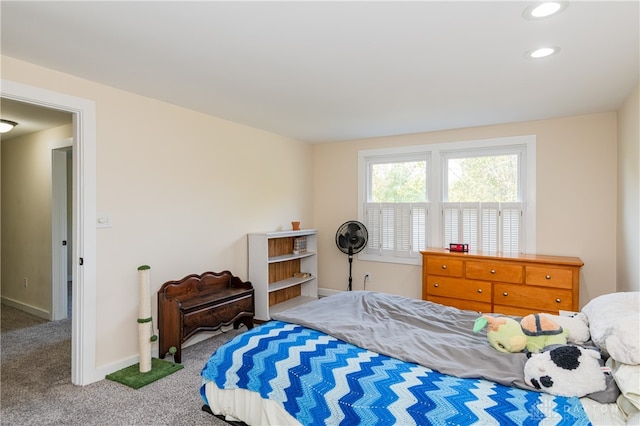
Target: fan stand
(350,263)
(351,238)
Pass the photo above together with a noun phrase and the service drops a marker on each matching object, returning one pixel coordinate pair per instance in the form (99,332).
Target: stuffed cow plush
(565,370)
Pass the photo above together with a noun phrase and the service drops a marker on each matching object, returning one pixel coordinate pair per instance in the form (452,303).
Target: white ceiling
(328,71)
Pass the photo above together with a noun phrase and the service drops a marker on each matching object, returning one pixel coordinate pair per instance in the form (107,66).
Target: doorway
(83,341)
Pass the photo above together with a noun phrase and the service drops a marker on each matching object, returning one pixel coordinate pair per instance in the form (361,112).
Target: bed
(372,358)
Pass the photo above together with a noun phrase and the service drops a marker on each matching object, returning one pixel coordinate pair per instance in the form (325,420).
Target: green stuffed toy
(504,334)
(534,332)
(542,331)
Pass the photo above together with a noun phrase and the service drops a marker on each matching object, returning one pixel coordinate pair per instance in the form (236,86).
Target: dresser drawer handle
(444,266)
(479,290)
(436,285)
(493,271)
(548,277)
(505,294)
(558,300)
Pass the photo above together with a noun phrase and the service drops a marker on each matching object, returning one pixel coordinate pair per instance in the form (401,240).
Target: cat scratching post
(144,319)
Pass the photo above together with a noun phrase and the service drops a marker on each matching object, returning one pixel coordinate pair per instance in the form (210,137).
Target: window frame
(435,154)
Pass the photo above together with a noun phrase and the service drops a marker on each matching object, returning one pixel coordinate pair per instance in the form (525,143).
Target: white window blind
(419,227)
(372,214)
(489,227)
(388,225)
(398,229)
(470,223)
(402,240)
(513,215)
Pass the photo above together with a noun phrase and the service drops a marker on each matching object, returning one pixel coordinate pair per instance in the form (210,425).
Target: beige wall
(183,189)
(26,219)
(629,194)
(576,199)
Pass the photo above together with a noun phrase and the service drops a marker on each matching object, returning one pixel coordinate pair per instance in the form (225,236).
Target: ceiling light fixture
(7,125)
(542,52)
(542,10)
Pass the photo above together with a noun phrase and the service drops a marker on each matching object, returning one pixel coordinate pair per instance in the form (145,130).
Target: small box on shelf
(299,245)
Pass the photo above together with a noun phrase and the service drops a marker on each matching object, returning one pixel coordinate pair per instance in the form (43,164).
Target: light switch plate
(103,220)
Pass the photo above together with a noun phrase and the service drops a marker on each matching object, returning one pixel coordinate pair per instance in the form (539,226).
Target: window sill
(387,259)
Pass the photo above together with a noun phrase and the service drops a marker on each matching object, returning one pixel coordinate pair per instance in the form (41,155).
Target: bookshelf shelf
(291,256)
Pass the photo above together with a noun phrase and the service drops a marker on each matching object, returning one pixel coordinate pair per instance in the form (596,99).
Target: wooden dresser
(509,284)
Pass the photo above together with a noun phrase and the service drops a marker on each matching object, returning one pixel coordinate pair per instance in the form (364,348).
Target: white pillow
(614,323)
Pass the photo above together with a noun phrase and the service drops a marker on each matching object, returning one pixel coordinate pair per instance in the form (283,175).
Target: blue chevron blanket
(321,380)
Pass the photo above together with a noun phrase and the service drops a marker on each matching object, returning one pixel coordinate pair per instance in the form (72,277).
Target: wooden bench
(198,303)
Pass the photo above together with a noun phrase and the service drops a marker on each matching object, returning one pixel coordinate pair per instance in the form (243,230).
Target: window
(479,192)
(482,198)
(396,209)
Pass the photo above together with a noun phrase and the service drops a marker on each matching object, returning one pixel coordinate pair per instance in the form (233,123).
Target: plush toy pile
(534,332)
(610,322)
(556,364)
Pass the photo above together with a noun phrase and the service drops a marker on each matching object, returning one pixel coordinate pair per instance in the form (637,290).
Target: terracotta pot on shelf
(295,226)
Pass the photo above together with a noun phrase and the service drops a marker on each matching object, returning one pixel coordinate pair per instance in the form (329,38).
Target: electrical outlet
(367,277)
(25,282)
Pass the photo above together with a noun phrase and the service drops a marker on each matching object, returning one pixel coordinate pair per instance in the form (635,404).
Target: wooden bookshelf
(274,259)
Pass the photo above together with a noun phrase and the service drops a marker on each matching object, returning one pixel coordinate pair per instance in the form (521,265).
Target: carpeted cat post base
(132,377)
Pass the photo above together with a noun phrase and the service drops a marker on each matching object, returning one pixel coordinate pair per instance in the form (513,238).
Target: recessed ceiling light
(542,10)
(542,52)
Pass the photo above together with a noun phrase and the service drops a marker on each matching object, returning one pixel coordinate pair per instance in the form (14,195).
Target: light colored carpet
(36,389)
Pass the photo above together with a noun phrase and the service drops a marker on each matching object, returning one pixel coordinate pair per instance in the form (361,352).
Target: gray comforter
(425,333)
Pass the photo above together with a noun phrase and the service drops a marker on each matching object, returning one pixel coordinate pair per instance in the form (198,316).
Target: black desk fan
(351,238)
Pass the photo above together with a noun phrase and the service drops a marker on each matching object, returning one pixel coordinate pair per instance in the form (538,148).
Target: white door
(59,236)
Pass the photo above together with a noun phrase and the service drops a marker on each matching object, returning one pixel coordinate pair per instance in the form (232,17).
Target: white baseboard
(134,359)
(324,292)
(40,313)
(124,363)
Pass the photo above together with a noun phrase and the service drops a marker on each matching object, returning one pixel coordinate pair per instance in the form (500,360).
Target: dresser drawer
(459,289)
(549,276)
(535,298)
(444,266)
(490,271)
(515,311)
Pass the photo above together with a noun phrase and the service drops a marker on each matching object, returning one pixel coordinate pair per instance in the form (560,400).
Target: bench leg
(246,320)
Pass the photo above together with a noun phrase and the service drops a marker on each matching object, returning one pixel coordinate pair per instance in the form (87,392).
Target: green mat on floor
(132,377)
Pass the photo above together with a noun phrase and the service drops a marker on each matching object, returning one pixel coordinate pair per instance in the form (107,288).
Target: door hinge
(81,261)
(64,243)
